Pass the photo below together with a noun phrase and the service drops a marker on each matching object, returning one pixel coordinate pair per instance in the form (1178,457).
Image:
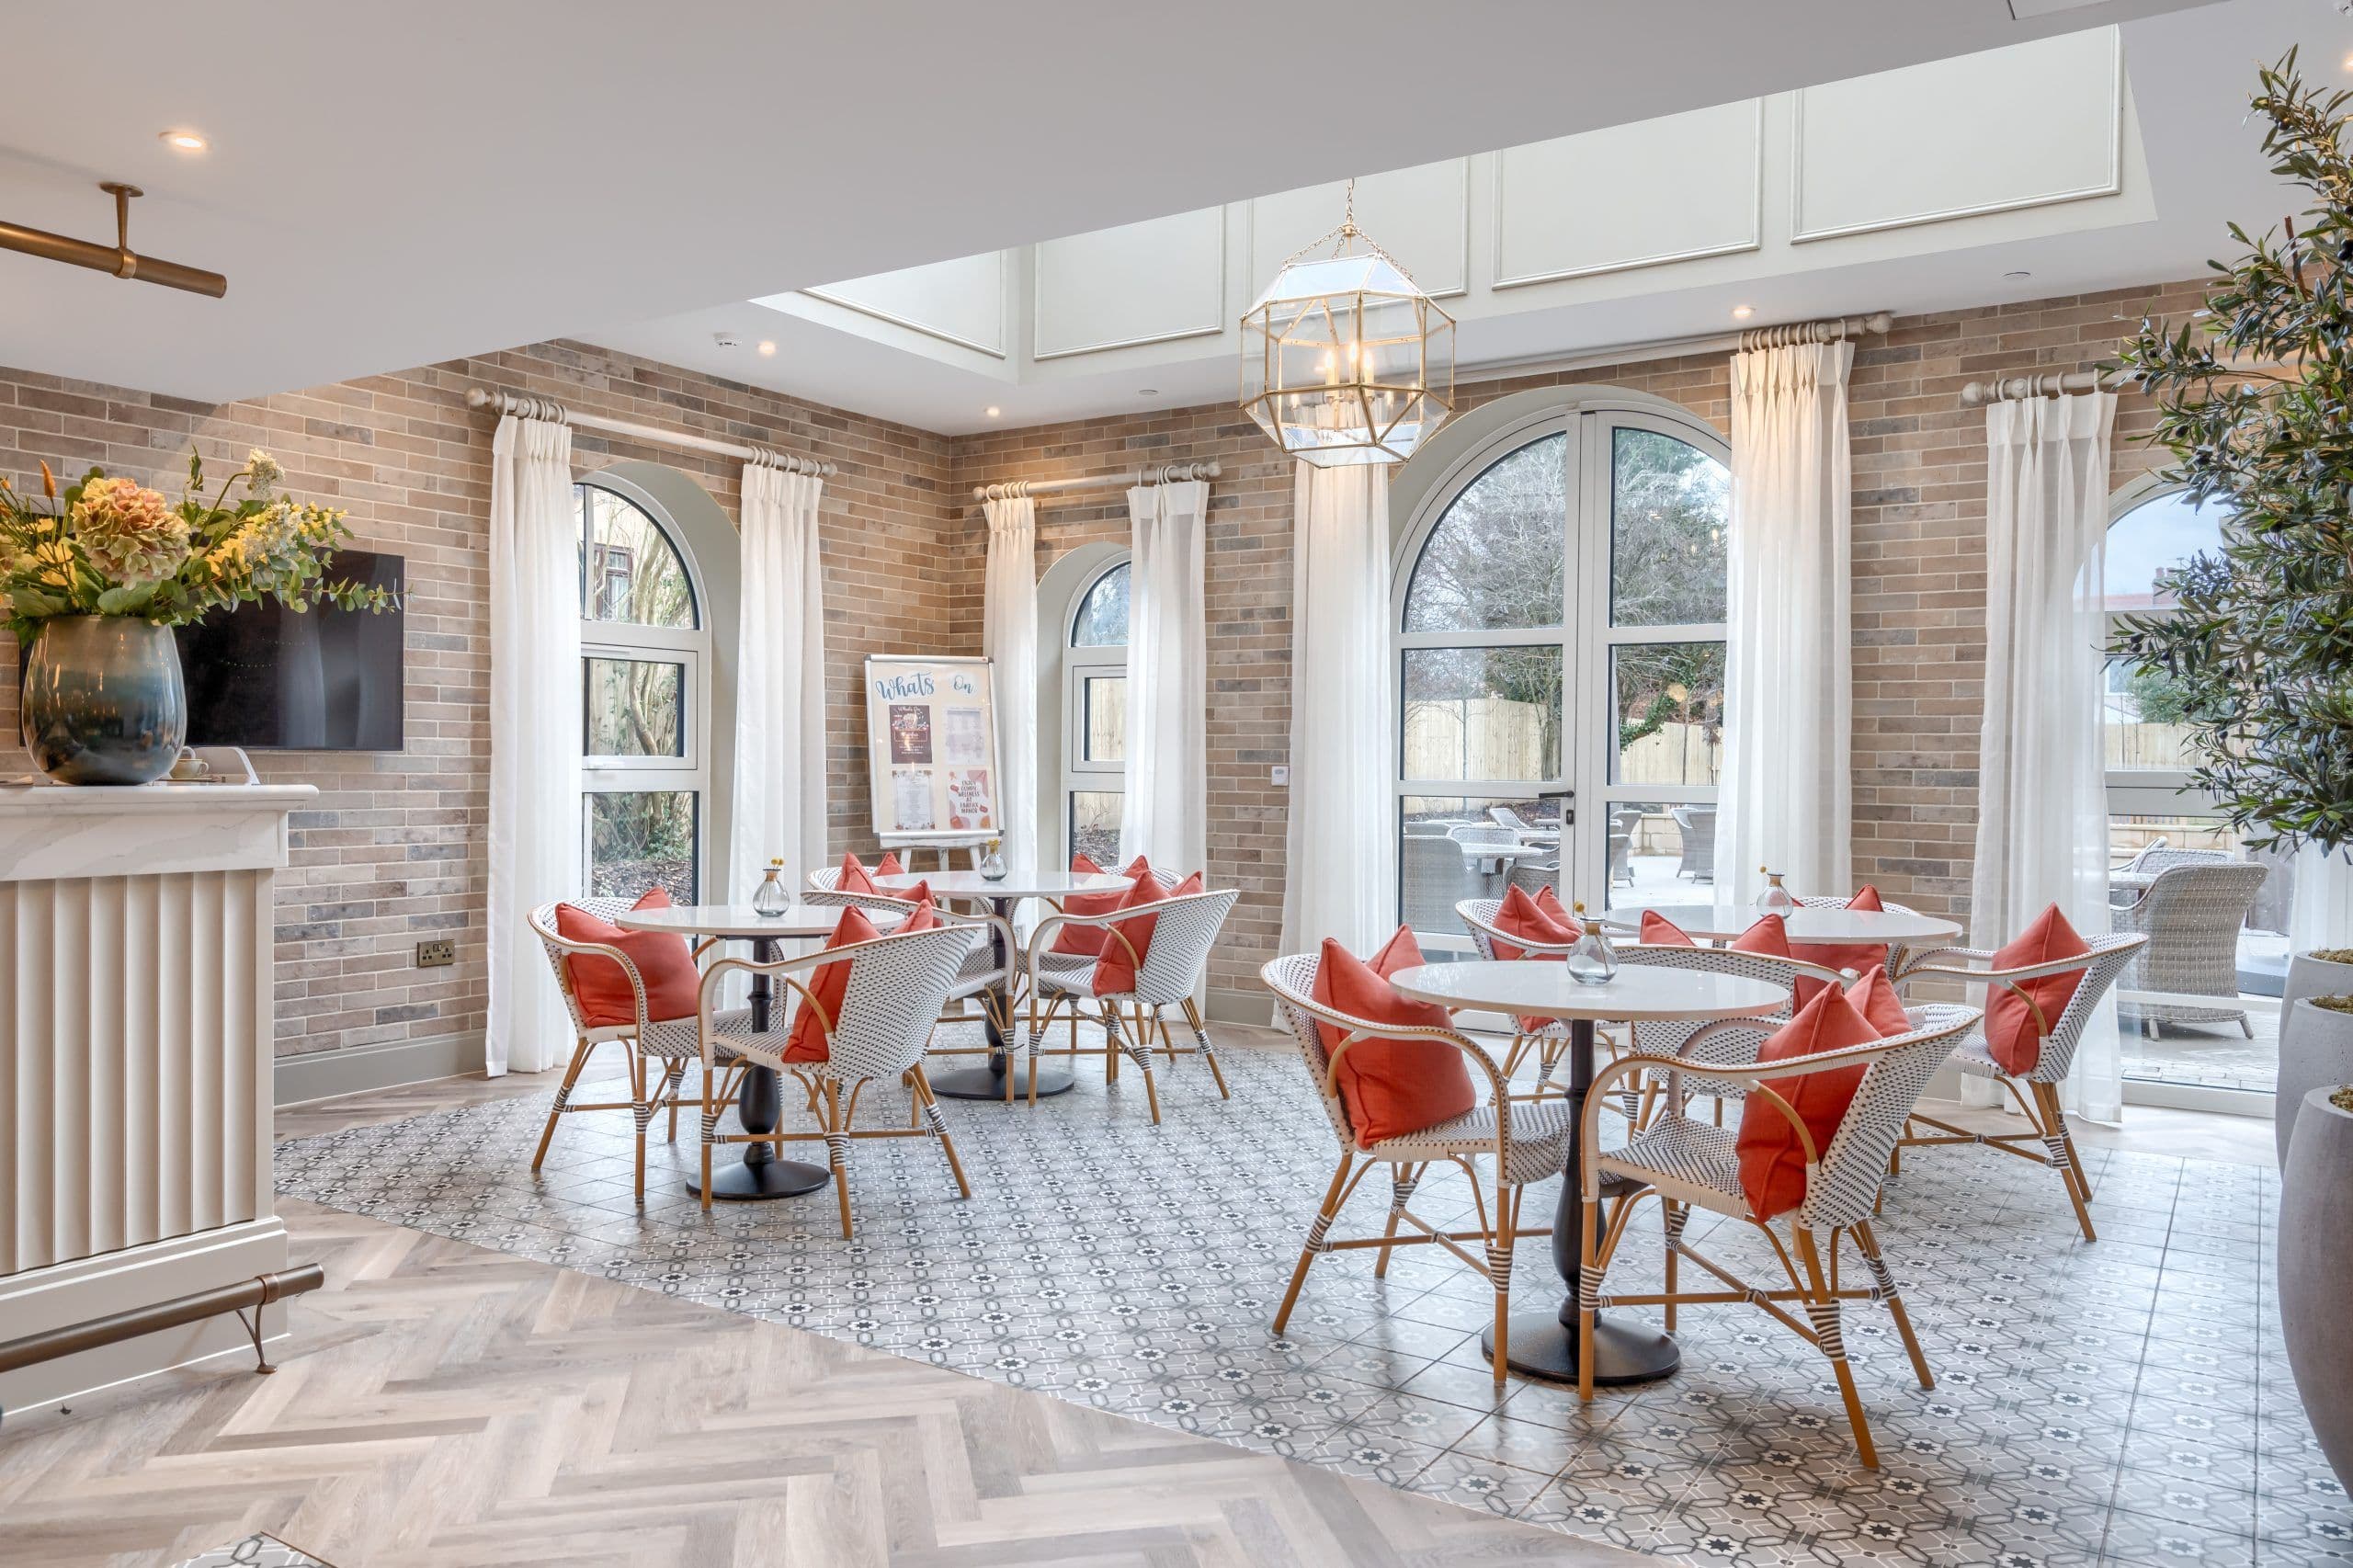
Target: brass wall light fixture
(118,259)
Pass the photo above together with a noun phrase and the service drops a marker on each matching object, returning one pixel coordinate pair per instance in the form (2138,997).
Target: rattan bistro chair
(1526,1143)
(653,1052)
(896,988)
(1733,1043)
(1688,1163)
(1895,950)
(1183,932)
(2191,912)
(2036,1094)
(981,977)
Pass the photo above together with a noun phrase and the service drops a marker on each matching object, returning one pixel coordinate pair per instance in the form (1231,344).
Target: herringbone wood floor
(445,1405)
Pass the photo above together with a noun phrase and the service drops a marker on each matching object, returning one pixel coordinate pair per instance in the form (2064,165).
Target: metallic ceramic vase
(102,700)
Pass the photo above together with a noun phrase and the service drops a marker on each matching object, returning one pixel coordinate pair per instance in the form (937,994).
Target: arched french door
(1560,659)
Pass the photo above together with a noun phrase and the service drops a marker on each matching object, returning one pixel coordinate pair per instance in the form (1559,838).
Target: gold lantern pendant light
(1345,359)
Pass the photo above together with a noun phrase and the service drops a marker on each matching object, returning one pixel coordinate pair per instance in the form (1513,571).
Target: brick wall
(393,852)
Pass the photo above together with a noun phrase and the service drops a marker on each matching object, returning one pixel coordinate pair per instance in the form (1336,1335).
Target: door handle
(1568,810)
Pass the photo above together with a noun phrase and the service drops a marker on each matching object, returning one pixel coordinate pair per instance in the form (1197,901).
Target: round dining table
(1808,923)
(1545,1346)
(1000,894)
(760,1174)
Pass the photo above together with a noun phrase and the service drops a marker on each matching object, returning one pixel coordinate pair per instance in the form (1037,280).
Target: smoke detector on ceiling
(727,340)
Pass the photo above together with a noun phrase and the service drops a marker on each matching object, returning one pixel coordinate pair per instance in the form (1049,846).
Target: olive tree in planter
(2255,400)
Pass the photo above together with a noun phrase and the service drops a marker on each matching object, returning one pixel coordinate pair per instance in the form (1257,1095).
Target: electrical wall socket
(432,954)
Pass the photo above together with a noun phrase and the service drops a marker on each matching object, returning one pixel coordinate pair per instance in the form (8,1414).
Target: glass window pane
(1452,848)
(635,708)
(1105,736)
(1094,824)
(2144,719)
(1661,853)
(629,570)
(1103,616)
(2157,535)
(1668,506)
(1483,713)
(641,840)
(1667,700)
(1497,559)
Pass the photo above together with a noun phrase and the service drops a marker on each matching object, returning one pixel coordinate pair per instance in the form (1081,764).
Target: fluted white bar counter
(135,1055)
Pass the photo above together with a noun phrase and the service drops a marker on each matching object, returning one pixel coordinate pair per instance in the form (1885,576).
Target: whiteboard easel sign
(931,747)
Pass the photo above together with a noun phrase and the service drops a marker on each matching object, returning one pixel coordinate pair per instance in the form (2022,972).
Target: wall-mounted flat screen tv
(263,677)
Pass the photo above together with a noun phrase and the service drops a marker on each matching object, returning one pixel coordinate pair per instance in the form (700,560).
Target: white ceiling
(2191,71)
(394,184)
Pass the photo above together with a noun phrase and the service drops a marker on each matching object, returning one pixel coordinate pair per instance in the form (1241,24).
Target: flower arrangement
(111,546)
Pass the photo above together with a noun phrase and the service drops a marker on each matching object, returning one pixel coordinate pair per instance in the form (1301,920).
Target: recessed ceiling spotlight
(2019,276)
(2349,62)
(993,411)
(1742,312)
(767,347)
(184,141)
(1147,391)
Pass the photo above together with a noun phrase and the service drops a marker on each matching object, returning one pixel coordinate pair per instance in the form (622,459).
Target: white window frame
(1079,661)
(688,647)
(1584,635)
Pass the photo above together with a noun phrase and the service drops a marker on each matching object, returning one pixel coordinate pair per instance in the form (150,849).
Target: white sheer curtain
(2042,784)
(780,794)
(1789,687)
(1340,858)
(534,733)
(1166,770)
(1009,637)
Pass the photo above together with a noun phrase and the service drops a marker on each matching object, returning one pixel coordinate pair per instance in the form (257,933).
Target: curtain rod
(1159,474)
(524,405)
(2039,383)
(1827,331)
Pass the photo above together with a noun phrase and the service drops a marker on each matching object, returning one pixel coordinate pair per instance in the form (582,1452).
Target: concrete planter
(2316,1270)
(2311,1051)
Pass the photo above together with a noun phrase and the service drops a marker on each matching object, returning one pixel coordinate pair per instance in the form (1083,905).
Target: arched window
(1560,662)
(1095,716)
(645,662)
(2150,532)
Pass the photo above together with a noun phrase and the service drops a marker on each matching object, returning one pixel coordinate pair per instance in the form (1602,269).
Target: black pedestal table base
(988,1082)
(760,1176)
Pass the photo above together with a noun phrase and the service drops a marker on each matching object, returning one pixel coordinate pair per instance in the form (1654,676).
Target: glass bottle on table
(992,861)
(770,899)
(1593,961)
(1775,899)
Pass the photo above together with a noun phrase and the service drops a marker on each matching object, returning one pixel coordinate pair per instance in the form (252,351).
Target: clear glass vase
(1593,961)
(992,862)
(1775,899)
(770,899)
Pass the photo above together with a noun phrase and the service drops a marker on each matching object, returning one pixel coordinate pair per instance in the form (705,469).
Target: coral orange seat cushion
(1389,1087)
(1529,920)
(1772,1159)
(810,1040)
(1088,939)
(1115,971)
(1860,957)
(661,960)
(1658,931)
(1874,998)
(2013,1034)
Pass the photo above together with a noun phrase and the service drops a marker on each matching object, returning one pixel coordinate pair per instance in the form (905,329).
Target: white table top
(1013,884)
(1721,921)
(1502,851)
(1543,989)
(733,920)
